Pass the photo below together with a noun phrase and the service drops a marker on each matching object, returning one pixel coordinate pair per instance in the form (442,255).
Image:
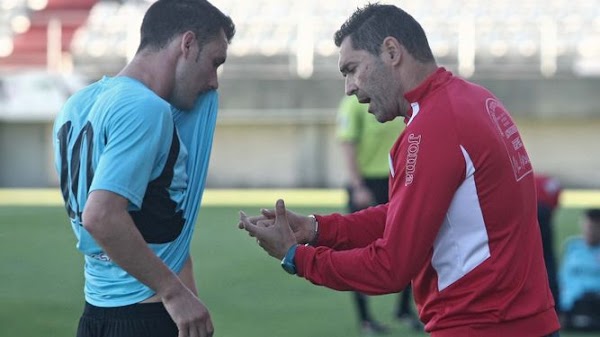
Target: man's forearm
(349,231)
(124,244)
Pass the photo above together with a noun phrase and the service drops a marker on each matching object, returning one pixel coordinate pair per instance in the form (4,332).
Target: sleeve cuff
(301,253)
(326,231)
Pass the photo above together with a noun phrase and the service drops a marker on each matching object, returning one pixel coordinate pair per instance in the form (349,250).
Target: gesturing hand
(302,226)
(274,235)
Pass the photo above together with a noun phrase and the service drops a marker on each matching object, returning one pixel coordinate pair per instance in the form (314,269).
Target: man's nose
(350,87)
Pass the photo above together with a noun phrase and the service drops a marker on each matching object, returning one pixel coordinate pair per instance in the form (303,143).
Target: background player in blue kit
(132,153)
(580,276)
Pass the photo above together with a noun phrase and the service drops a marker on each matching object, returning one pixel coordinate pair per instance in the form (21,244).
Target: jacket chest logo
(411,158)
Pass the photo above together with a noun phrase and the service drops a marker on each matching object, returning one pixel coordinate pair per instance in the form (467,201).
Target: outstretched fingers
(254,219)
(252,229)
(268,213)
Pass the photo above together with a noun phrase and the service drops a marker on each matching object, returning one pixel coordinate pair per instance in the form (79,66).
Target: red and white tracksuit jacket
(461,223)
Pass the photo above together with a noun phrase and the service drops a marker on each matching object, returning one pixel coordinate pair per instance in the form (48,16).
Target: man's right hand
(187,311)
(302,226)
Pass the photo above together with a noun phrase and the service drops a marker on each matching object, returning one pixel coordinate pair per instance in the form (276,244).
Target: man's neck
(154,70)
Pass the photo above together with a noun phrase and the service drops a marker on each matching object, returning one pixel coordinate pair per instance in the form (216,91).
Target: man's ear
(392,50)
(188,40)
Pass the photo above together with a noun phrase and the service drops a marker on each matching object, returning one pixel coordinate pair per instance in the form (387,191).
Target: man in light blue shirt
(132,153)
(580,276)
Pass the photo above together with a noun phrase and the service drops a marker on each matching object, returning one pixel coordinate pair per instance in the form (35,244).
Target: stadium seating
(524,37)
(31,31)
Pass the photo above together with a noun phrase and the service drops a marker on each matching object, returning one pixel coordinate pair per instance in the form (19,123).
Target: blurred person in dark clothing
(548,193)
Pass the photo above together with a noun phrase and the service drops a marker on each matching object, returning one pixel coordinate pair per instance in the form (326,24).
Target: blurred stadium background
(280,85)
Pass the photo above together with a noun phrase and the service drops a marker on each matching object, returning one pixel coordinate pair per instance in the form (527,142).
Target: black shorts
(136,320)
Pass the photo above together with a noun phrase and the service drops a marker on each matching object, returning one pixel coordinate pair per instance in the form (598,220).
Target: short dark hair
(593,214)
(165,19)
(370,25)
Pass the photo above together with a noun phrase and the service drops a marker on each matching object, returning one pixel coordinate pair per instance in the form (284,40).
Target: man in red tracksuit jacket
(461,223)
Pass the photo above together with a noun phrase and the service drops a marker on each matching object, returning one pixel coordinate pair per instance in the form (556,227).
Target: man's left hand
(276,238)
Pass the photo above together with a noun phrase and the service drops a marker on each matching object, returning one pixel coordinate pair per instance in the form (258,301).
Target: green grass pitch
(247,292)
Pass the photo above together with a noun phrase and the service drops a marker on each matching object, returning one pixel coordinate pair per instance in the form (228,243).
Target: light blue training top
(118,135)
(579,272)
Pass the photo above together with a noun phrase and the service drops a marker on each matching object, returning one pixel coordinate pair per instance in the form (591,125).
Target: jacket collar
(431,83)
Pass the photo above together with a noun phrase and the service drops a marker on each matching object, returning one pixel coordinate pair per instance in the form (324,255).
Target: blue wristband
(287,263)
